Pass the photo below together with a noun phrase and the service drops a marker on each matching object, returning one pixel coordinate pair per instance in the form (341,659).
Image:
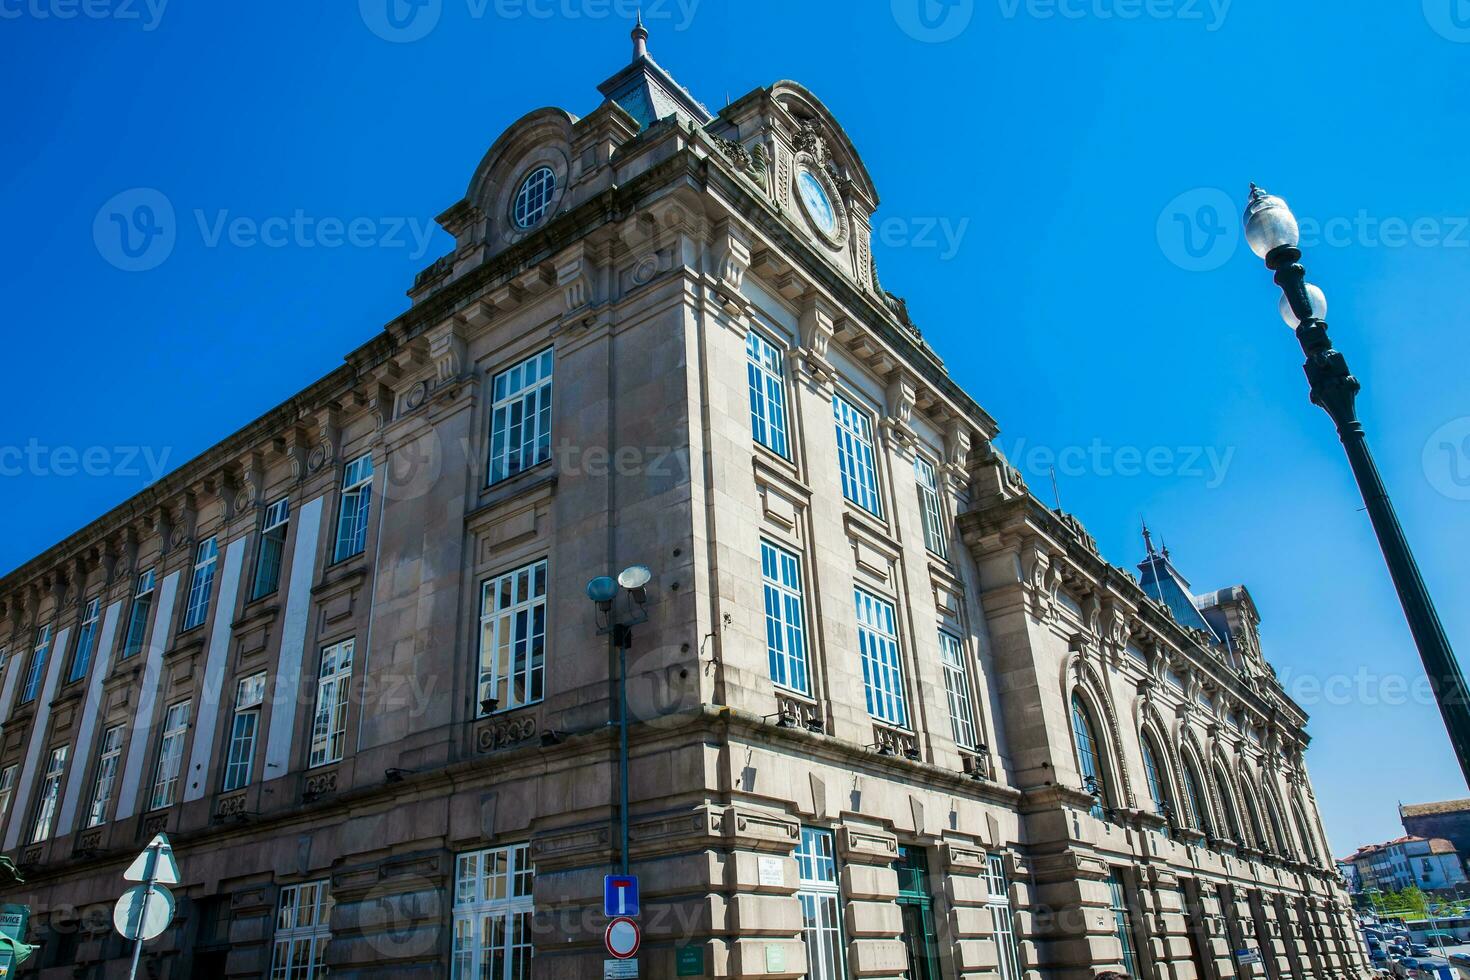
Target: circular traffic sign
(623,938)
(143,912)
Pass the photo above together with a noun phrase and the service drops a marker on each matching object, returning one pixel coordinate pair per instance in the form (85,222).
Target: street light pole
(1273,235)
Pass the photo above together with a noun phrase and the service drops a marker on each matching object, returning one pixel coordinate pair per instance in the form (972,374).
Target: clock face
(818,204)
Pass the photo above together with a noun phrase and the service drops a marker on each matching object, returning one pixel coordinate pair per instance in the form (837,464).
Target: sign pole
(149,878)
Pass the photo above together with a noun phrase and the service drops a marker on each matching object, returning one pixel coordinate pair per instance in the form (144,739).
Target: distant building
(1449,819)
(1431,864)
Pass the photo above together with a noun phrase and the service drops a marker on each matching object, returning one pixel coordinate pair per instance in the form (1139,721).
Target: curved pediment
(817,130)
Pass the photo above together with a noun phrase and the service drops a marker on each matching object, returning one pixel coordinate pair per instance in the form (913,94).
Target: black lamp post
(1272,232)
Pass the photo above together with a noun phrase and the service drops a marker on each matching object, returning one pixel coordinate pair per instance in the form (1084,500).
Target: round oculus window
(533,200)
(818,205)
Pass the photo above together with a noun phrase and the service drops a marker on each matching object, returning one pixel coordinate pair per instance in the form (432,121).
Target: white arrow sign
(156,863)
(143,912)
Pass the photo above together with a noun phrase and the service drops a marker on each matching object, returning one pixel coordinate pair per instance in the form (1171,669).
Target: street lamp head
(1315,298)
(602,590)
(634,578)
(1269,223)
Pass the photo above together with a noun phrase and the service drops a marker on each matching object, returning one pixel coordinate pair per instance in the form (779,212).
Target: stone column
(967,932)
(1162,908)
(390,916)
(872,923)
(252,914)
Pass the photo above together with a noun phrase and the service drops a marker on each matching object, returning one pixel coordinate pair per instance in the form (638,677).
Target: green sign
(13,919)
(691,961)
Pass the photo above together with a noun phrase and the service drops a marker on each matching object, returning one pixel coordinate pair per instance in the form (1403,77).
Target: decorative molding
(504,732)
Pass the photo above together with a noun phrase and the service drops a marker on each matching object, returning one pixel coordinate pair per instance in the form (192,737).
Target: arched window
(1227,805)
(1253,817)
(1158,786)
(1199,804)
(1309,842)
(1089,757)
(1278,829)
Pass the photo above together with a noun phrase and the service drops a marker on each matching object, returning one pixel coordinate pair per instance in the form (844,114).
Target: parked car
(1418,949)
(1377,955)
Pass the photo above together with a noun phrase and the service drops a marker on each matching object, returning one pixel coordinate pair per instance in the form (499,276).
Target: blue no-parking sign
(620,896)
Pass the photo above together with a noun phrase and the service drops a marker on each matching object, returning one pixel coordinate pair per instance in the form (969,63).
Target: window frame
(765,376)
(532,679)
(523,214)
(105,777)
(81,656)
(790,635)
(822,889)
(7,788)
(316,934)
(1156,775)
(138,616)
(34,679)
(240,746)
(273,531)
(885,639)
(201,584)
(857,455)
(168,768)
(329,747)
(502,461)
(1002,917)
(48,801)
(509,913)
(357,490)
(931,508)
(1123,926)
(959,691)
(1084,726)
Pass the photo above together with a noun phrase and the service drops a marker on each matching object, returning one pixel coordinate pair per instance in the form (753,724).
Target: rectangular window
(50,795)
(249,696)
(303,929)
(1122,923)
(492,914)
(855,457)
(935,538)
(821,914)
(1002,918)
(272,548)
(138,617)
(767,393)
(201,586)
(520,417)
(957,689)
(785,629)
(329,720)
(357,504)
(81,658)
(170,756)
(513,639)
(107,759)
(7,790)
(37,669)
(882,671)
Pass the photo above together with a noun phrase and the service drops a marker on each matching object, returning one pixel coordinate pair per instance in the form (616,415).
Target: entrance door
(918,914)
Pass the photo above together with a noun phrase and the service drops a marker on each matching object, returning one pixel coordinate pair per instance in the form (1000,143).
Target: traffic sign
(623,937)
(620,896)
(156,863)
(143,912)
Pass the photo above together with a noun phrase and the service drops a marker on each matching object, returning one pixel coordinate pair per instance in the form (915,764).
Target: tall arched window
(1158,786)
(1309,842)
(1278,829)
(1227,805)
(1199,804)
(1089,758)
(1253,817)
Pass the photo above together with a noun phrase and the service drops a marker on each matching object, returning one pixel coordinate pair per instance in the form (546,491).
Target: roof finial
(1148,540)
(640,37)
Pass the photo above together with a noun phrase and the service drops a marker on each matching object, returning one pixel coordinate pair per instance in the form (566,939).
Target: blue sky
(1060,184)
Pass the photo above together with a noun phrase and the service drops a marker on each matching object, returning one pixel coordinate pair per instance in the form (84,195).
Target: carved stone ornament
(504,733)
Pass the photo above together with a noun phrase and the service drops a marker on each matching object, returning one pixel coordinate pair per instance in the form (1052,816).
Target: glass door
(917,907)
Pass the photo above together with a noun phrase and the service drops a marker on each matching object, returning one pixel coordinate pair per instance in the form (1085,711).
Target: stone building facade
(890,716)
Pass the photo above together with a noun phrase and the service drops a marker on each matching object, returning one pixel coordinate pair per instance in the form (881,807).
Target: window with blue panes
(767,393)
(882,669)
(1153,770)
(201,584)
(785,629)
(355,508)
(1089,762)
(37,668)
(856,459)
(820,898)
(86,640)
(520,417)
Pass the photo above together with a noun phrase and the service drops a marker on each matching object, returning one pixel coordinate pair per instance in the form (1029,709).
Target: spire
(640,38)
(1148,540)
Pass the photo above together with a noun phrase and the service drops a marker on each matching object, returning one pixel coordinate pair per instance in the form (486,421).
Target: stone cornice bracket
(295,445)
(182,532)
(576,277)
(447,351)
(252,481)
(898,422)
(730,252)
(816,325)
(328,439)
(957,442)
(225,486)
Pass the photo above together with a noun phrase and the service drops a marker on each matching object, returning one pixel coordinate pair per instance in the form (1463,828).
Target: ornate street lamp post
(1272,232)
